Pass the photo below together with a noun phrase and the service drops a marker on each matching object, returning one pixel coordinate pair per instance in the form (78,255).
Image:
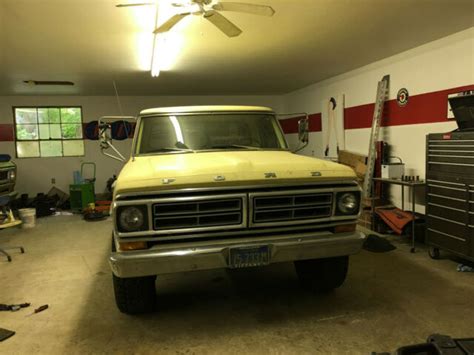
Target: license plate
(249,257)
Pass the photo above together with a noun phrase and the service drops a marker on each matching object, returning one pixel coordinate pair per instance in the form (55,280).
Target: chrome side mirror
(105,137)
(303,130)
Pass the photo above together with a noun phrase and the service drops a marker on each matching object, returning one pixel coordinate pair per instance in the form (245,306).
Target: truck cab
(210,187)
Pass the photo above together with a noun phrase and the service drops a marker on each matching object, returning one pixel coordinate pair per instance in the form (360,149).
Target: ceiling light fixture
(155,69)
(156,52)
(48,82)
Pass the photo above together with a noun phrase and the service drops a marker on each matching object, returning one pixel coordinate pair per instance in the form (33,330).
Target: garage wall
(35,174)
(429,72)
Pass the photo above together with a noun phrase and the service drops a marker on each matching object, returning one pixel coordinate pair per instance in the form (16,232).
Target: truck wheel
(134,295)
(322,275)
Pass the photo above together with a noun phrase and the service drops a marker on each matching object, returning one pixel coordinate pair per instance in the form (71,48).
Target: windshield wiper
(226,146)
(170,149)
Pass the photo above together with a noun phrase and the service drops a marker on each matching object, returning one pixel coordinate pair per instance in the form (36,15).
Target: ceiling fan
(210,10)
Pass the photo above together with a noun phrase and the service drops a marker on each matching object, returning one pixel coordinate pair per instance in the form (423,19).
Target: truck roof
(191,109)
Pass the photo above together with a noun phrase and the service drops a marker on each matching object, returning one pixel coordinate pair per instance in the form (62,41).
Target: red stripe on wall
(290,125)
(423,108)
(6,133)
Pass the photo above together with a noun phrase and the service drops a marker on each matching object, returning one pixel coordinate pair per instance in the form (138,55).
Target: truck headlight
(12,175)
(348,203)
(132,218)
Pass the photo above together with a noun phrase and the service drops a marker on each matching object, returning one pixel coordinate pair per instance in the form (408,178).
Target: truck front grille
(195,214)
(291,207)
(3,175)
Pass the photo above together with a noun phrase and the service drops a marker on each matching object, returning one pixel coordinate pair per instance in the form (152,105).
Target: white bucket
(28,217)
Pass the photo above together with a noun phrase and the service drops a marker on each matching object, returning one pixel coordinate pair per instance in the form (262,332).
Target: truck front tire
(322,275)
(134,295)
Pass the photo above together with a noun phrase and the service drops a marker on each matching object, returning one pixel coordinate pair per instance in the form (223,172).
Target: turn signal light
(133,246)
(345,228)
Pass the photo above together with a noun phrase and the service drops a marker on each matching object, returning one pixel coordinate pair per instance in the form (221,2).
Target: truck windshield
(186,133)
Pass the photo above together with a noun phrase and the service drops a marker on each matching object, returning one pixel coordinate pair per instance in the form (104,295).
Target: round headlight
(348,203)
(131,219)
(12,174)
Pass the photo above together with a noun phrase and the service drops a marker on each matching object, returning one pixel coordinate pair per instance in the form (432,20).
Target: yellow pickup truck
(210,187)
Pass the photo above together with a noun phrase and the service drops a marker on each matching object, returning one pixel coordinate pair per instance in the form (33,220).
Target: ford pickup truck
(7,177)
(210,187)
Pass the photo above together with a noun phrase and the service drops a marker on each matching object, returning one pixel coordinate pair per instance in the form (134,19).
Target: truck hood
(201,169)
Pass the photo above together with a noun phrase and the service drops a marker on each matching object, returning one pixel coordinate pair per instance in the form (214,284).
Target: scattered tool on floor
(437,344)
(39,309)
(13,307)
(465,268)
(5,334)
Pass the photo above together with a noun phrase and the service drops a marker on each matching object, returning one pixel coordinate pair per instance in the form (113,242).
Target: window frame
(14,108)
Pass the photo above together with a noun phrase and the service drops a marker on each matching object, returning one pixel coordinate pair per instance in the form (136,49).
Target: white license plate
(249,257)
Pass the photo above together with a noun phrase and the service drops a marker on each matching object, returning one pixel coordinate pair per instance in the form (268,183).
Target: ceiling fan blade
(262,10)
(222,23)
(165,27)
(138,4)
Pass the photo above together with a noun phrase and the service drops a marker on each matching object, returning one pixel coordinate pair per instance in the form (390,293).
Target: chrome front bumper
(165,259)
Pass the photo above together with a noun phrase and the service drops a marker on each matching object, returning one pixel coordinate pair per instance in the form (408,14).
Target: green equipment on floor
(82,192)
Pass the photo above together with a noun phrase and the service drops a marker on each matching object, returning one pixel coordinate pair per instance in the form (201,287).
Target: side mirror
(303,130)
(105,137)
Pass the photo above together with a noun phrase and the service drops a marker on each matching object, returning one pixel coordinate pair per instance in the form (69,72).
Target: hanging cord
(118,98)
(127,132)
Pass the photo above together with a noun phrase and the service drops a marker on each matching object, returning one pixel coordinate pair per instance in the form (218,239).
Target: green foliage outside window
(49,131)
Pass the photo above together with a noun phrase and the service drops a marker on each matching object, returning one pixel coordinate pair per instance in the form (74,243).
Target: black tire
(434,253)
(134,295)
(322,275)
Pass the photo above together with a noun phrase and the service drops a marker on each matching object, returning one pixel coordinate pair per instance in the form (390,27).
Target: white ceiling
(91,42)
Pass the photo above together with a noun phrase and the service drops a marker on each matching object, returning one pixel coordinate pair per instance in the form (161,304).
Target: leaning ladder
(382,91)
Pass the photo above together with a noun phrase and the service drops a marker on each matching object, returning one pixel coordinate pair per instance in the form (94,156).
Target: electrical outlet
(53,181)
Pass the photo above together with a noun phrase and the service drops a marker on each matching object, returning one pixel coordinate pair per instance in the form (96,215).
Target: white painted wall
(35,174)
(442,64)
(439,65)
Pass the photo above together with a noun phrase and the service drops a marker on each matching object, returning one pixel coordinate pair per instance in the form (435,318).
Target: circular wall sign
(402,97)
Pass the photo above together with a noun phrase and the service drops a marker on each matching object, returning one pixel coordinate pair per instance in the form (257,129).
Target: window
(178,133)
(48,132)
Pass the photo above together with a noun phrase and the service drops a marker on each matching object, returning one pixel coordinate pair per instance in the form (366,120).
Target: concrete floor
(388,300)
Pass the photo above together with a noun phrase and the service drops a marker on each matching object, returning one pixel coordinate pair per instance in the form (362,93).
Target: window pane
(71,130)
(51,148)
(50,131)
(71,115)
(48,115)
(27,131)
(25,115)
(44,131)
(55,131)
(73,148)
(27,149)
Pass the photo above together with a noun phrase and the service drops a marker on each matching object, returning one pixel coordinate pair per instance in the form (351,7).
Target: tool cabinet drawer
(451,156)
(449,241)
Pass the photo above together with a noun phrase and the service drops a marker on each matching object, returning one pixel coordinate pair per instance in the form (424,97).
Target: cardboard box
(355,161)
(352,159)
(360,169)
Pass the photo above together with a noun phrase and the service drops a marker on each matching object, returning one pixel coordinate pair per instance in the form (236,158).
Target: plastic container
(28,217)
